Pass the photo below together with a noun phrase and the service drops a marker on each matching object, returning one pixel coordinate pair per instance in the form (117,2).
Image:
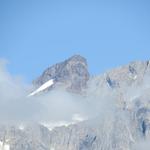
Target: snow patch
(42,87)
(4,146)
(21,127)
(52,125)
(135,77)
(76,118)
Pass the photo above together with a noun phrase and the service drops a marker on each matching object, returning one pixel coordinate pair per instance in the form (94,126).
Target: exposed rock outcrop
(72,74)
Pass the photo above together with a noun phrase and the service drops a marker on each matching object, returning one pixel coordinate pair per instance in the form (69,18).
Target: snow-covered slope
(76,118)
(42,87)
(4,146)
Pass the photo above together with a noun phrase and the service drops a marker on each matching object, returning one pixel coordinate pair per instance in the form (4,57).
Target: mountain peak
(72,74)
(77,57)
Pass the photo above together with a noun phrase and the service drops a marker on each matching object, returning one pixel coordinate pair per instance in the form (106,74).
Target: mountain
(133,73)
(71,74)
(119,100)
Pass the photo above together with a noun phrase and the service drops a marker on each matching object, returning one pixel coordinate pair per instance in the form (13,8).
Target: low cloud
(56,105)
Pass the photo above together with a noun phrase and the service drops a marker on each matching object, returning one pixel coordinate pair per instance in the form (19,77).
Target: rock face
(71,74)
(118,130)
(124,76)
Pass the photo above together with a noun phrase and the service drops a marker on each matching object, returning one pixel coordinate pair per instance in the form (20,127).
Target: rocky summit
(71,74)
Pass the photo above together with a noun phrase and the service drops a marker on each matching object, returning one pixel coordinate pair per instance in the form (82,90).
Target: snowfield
(4,146)
(42,87)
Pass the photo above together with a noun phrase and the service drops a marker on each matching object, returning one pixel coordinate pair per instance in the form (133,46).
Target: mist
(56,105)
(16,107)
(53,105)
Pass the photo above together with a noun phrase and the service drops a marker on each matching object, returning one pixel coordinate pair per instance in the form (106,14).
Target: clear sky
(35,34)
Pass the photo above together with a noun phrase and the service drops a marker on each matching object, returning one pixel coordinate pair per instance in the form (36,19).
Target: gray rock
(72,74)
(124,76)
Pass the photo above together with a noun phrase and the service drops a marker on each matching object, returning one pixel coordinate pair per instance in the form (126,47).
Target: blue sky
(35,34)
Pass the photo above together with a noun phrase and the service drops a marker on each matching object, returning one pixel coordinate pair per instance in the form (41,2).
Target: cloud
(56,105)
(13,102)
(60,107)
(16,106)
